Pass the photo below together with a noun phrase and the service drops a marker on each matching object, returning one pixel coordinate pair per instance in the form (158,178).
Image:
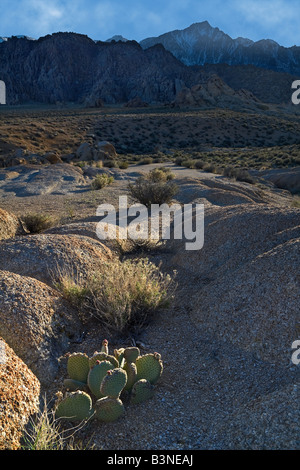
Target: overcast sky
(138,19)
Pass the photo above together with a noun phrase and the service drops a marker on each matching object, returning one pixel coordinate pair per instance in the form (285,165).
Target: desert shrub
(296,202)
(147,192)
(123,296)
(101,181)
(160,175)
(37,223)
(188,163)
(179,160)
(244,175)
(199,164)
(238,174)
(229,172)
(209,167)
(123,165)
(146,161)
(110,164)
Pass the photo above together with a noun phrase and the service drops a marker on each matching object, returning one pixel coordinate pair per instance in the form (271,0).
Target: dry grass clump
(123,296)
(130,246)
(44,432)
(37,223)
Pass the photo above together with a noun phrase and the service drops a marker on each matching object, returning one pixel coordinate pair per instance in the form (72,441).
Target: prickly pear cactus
(142,390)
(149,367)
(113,383)
(75,406)
(96,375)
(102,378)
(109,409)
(78,367)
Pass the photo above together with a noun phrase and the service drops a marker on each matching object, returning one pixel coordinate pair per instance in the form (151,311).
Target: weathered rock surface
(36,323)
(43,256)
(103,150)
(10,225)
(19,397)
(248,278)
(287,178)
(107,148)
(214,93)
(34,180)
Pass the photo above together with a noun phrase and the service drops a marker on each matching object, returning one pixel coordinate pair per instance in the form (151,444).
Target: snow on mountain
(201,44)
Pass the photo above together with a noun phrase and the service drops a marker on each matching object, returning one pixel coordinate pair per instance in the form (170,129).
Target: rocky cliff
(72,67)
(69,67)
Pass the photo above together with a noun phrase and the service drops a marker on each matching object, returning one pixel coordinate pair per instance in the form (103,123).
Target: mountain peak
(201,44)
(117,38)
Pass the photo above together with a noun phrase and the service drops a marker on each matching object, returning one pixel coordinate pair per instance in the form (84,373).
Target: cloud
(275,19)
(136,19)
(266,12)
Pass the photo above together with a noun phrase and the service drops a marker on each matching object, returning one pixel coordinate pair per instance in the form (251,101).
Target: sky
(139,19)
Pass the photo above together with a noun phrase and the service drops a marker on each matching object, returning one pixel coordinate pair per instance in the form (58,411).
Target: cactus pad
(119,355)
(102,356)
(142,390)
(131,371)
(131,354)
(113,383)
(75,406)
(96,375)
(109,409)
(78,367)
(149,367)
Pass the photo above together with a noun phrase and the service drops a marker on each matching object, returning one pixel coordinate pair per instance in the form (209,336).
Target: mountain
(73,68)
(117,38)
(201,44)
(70,67)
